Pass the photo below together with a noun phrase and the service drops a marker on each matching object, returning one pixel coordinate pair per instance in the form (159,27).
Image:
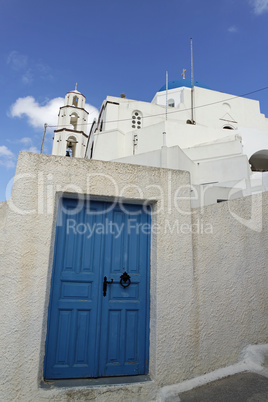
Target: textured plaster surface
(3,219)
(27,263)
(3,213)
(230,305)
(200,317)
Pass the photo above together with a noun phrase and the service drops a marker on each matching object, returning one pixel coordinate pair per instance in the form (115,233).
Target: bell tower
(70,138)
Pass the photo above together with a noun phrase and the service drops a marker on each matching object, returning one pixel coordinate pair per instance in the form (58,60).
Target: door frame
(51,278)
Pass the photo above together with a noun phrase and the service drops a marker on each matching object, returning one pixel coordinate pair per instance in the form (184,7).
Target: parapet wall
(208,274)
(230,279)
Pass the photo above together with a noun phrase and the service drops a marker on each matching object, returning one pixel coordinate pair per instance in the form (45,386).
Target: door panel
(126,305)
(90,335)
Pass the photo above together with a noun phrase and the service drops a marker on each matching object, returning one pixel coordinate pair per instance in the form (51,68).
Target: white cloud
(26,141)
(32,149)
(16,60)
(4,151)
(260,6)
(233,29)
(28,69)
(93,113)
(8,163)
(38,115)
(6,157)
(44,71)
(27,77)
(43,68)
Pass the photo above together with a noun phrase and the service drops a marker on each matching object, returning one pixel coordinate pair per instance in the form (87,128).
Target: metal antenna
(76,86)
(192,83)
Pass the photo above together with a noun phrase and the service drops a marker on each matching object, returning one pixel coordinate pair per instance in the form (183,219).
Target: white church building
(123,274)
(208,133)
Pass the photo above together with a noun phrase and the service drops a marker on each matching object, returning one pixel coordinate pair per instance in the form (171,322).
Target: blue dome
(182,83)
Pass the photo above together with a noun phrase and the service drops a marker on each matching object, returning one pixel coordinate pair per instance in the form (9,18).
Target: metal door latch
(124,281)
(105,283)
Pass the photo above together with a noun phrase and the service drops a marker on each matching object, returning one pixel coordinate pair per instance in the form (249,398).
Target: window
(136,122)
(228,128)
(171,103)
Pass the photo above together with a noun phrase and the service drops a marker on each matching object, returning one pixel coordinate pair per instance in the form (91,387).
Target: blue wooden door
(91,334)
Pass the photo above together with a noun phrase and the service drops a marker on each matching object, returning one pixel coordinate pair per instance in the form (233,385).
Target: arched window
(228,127)
(101,126)
(75,101)
(74,120)
(171,103)
(136,119)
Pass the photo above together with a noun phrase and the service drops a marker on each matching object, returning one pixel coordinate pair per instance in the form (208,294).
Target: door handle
(105,283)
(124,281)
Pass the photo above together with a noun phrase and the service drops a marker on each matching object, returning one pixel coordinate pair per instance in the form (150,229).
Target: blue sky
(114,46)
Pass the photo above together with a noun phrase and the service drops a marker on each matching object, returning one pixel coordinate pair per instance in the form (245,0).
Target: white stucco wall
(3,212)
(27,259)
(225,147)
(230,280)
(254,140)
(171,158)
(215,109)
(110,145)
(178,133)
(231,170)
(191,330)
(3,219)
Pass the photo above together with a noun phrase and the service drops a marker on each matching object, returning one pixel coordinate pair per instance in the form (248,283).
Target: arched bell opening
(74,120)
(71,146)
(75,101)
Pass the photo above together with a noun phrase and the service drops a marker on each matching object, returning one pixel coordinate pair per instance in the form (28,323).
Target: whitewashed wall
(194,294)
(215,109)
(230,308)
